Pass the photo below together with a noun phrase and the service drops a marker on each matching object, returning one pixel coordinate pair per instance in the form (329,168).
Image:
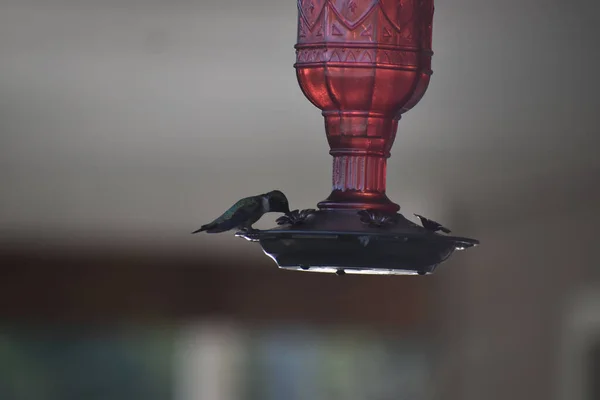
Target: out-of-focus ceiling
(140,120)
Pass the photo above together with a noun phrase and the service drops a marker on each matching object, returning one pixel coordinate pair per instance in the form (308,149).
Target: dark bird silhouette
(243,214)
(432,225)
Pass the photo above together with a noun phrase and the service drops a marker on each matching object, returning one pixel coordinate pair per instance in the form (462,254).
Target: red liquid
(363,63)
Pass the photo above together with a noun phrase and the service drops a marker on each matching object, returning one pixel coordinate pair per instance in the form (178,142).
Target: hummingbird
(247,211)
(432,225)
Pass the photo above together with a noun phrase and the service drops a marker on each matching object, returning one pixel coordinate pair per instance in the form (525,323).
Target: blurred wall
(126,124)
(506,306)
(138,120)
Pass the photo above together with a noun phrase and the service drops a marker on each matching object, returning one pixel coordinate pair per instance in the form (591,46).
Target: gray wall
(133,122)
(139,120)
(503,308)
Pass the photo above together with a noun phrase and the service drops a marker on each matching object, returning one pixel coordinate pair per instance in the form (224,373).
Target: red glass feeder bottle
(363,63)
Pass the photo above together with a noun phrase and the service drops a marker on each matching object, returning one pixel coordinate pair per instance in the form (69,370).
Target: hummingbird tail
(202,229)
(445,230)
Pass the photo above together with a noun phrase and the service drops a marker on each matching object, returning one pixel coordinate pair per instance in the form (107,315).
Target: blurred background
(126,124)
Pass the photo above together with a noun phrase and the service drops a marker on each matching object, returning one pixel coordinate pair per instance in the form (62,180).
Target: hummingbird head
(277,202)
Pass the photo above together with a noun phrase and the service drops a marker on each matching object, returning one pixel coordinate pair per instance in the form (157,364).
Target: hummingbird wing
(444,229)
(235,216)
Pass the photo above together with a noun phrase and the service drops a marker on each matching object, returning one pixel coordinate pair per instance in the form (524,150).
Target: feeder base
(347,242)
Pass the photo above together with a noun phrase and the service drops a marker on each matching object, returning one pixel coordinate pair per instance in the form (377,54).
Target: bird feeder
(363,63)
